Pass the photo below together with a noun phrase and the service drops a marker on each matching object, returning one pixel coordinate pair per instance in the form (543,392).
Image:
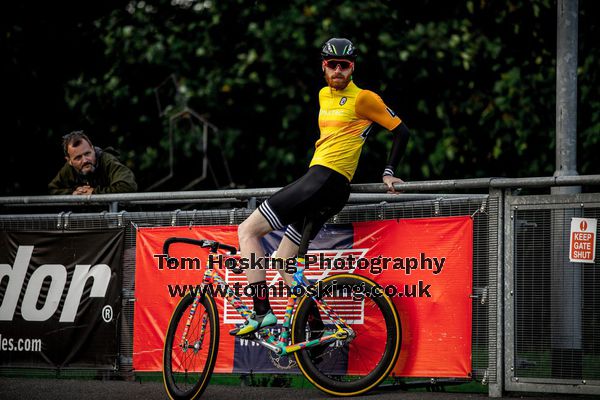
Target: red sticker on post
(583,240)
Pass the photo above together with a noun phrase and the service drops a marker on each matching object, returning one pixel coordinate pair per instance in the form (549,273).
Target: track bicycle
(346,348)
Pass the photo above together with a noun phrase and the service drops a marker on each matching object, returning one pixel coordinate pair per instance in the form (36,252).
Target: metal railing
(513,305)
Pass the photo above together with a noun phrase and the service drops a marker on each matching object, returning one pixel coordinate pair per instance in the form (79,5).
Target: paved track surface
(64,389)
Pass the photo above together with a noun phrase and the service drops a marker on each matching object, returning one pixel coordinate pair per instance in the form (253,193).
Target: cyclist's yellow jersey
(345,119)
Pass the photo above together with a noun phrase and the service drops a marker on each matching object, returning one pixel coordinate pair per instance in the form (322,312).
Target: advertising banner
(426,261)
(60,298)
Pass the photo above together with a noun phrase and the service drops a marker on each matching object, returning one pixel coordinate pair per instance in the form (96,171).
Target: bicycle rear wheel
(188,363)
(352,366)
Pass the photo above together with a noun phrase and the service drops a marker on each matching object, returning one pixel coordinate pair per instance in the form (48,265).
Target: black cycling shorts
(316,196)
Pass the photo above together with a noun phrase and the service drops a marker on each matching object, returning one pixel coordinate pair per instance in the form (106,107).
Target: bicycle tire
(355,367)
(186,372)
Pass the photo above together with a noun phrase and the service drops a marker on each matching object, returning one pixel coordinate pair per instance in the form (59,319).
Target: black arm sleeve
(401,135)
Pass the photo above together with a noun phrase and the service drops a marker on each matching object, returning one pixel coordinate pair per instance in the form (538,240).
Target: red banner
(426,261)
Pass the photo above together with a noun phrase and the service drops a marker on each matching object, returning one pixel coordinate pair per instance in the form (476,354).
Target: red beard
(338,84)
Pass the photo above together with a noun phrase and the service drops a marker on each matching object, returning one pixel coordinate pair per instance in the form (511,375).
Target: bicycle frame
(280,344)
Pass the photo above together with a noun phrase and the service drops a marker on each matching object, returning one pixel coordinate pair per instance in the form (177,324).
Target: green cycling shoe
(254,323)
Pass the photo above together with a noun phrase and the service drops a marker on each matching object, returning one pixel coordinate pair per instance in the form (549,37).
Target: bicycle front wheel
(188,360)
(355,365)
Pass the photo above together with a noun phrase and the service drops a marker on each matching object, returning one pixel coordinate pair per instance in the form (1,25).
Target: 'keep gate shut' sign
(583,240)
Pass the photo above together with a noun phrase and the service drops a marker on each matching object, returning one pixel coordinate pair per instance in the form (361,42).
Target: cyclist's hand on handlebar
(389,180)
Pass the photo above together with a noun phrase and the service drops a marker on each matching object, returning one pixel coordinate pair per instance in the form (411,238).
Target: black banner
(60,298)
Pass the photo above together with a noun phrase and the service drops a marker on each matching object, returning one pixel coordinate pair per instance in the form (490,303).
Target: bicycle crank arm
(257,339)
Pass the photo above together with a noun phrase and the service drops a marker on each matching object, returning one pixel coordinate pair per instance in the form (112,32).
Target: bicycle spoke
(189,361)
(354,365)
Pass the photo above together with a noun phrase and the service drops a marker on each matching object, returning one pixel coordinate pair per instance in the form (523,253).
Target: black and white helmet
(338,48)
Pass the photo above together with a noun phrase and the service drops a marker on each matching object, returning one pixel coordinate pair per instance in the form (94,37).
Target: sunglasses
(333,64)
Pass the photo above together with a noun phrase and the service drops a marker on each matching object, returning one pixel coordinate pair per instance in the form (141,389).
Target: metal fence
(552,306)
(525,296)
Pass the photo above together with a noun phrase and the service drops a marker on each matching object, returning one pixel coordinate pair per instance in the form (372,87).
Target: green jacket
(110,176)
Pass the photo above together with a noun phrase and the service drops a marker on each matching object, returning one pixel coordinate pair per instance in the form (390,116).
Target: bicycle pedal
(248,336)
(252,335)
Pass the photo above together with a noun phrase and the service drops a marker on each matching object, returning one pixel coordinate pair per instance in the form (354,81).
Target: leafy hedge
(474,81)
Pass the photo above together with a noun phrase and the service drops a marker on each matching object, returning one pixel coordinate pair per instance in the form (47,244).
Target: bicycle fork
(197,346)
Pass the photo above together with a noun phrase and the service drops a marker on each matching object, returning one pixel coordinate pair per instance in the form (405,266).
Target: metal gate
(552,305)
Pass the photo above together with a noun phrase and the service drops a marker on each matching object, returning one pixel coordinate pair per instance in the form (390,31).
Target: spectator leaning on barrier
(90,169)
(347,114)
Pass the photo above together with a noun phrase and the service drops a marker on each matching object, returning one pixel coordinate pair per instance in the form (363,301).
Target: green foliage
(474,81)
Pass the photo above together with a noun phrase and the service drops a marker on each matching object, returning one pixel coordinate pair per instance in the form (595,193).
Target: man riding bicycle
(346,116)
